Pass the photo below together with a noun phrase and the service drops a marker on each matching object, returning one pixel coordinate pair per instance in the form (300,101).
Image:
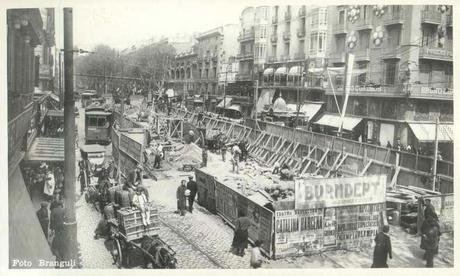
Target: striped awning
(46,149)
(426,132)
(281,71)
(349,123)
(235,107)
(295,71)
(228,102)
(308,109)
(268,71)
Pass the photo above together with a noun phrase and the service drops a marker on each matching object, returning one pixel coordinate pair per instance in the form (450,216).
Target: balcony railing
(428,92)
(242,56)
(287,15)
(243,77)
(364,23)
(302,11)
(271,59)
(287,35)
(390,52)
(395,17)
(275,19)
(371,90)
(431,17)
(274,38)
(340,28)
(299,56)
(247,35)
(285,58)
(45,71)
(362,54)
(337,57)
(436,53)
(301,33)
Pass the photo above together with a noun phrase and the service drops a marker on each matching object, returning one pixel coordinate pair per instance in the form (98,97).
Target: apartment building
(402,76)
(44,58)
(298,40)
(197,71)
(253,41)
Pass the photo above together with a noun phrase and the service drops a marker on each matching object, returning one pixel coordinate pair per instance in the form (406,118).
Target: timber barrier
(311,152)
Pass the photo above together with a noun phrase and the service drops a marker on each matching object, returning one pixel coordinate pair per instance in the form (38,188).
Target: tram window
(92,121)
(101,122)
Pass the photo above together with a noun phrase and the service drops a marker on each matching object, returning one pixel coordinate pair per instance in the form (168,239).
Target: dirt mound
(188,154)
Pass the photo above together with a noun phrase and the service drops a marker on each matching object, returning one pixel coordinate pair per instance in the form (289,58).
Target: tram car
(98,121)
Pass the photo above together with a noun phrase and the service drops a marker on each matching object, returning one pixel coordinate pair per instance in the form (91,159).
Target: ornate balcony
(362,55)
(273,38)
(393,18)
(302,12)
(246,35)
(301,33)
(287,16)
(340,28)
(436,53)
(287,35)
(431,17)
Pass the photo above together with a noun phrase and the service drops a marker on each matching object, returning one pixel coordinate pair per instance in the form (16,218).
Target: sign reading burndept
(334,192)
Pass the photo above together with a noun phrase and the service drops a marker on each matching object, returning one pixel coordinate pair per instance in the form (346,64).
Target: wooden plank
(394,180)
(366,167)
(318,165)
(277,148)
(333,165)
(277,156)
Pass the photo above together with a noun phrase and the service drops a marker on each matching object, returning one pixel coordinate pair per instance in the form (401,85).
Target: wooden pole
(70,223)
(435,165)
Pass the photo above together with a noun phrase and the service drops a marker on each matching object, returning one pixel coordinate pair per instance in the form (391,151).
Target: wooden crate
(130,222)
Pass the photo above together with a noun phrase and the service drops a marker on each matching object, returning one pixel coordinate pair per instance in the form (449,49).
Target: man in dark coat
(382,248)
(43,218)
(431,235)
(240,238)
(429,210)
(123,197)
(57,226)
(181,198)
(82,178)
(192,187)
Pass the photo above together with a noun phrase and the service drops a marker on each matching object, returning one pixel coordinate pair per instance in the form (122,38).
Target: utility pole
(435,165)
(70,222)
(61,92)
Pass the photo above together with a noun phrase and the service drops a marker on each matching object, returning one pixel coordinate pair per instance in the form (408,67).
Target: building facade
(44,53)
(402,78)
(196,72)
(298,42)
(24,32)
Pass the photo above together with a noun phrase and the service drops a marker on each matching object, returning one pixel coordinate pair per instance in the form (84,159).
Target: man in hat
(138,174)
(43,217)
(192,187)
(181,198)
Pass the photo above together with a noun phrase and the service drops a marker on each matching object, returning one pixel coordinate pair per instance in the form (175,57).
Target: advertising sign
(334,192)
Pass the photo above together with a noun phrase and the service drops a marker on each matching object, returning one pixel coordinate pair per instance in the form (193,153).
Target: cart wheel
(116,253)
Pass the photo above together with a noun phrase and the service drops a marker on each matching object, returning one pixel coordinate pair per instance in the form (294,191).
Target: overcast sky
(123,24)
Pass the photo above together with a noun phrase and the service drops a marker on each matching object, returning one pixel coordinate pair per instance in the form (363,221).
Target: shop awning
(349,123)
(426,132)
(268,71)
(55,113)
(228,102)
(281,71)
(295,71)
(308,109)
(46,149)
(235,107)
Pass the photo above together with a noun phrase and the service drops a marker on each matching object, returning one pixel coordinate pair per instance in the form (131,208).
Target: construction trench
(345,190)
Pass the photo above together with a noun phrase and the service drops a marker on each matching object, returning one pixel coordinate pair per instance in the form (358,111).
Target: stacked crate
(130,222)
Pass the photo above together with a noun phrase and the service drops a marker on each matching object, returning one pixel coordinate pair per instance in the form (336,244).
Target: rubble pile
(189,154)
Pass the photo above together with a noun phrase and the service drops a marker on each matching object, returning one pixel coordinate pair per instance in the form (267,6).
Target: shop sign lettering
(334,192)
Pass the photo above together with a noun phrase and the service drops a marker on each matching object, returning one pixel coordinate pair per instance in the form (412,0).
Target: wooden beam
(318,165)
(277,149)
(333,165)
(366,167)
(394,180)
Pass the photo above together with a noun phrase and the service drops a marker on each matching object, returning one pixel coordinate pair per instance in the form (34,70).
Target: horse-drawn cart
(128,234)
